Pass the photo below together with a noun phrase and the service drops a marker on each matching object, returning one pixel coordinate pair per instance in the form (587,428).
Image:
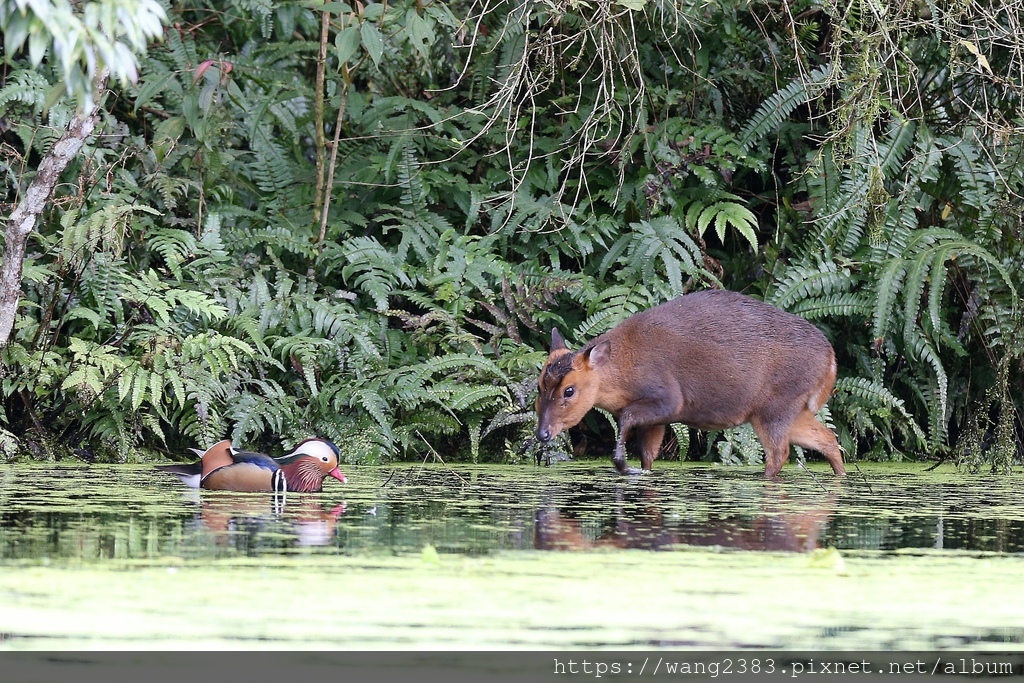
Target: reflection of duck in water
(233,518)
(638,521)
(223,467)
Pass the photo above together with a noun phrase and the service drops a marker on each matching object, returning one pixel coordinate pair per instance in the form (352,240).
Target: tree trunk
(37,196)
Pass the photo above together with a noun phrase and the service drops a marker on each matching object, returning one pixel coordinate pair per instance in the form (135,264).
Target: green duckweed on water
(493,557)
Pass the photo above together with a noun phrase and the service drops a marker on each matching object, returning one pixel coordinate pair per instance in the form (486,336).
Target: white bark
(25,216)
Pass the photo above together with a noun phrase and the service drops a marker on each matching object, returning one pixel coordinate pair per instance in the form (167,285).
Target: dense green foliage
(492,170)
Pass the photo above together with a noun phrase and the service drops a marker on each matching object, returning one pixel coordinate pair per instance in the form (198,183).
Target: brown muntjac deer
(711,360)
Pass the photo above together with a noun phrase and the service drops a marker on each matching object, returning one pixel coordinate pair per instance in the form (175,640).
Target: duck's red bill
(336,473)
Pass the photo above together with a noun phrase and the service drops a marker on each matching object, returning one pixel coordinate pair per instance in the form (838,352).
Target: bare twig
(439,459)
(318,110)
(333,163)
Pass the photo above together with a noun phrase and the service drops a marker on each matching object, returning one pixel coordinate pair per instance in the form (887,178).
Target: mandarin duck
(225,468)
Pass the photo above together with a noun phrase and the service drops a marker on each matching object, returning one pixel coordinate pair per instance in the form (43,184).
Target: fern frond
(614,305)
(804,281)
(373,269)
(887,290)
(834,306)
(26,87)
(173,245)
(774,110)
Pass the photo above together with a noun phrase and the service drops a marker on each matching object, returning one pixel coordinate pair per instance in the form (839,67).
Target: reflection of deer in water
(781,521)
(232,518)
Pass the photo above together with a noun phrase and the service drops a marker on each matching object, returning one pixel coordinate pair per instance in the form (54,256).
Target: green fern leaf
(774,110)
(886,291)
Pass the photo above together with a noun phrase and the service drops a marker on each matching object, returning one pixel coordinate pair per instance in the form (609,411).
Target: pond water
(571,555)
(120,512)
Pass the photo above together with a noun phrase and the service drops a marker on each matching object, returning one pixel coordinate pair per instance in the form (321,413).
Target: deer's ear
(557,343)
(599,354)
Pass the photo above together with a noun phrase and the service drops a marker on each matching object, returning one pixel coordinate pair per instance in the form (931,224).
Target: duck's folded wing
(216,456)
(246,472)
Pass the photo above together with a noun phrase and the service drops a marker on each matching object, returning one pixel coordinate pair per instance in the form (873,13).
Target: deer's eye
(569,392)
